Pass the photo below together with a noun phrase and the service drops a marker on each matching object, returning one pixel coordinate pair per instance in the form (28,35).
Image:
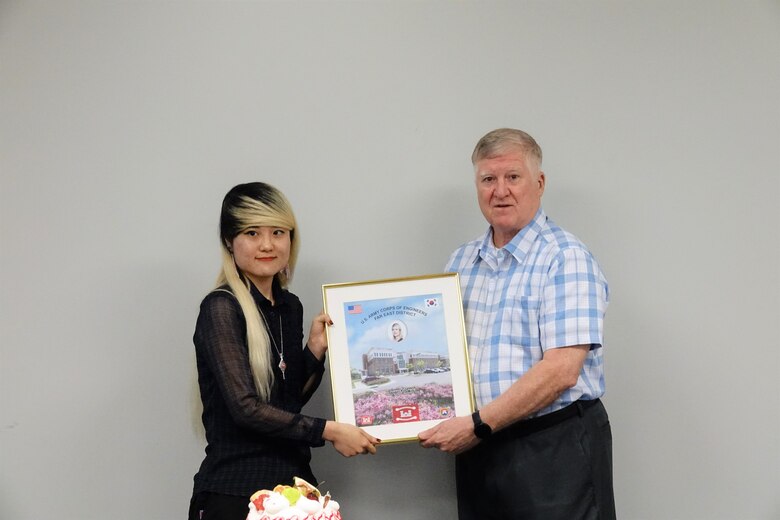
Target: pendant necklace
(282,365)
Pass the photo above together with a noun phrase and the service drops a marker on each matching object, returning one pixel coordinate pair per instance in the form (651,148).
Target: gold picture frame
(398,355)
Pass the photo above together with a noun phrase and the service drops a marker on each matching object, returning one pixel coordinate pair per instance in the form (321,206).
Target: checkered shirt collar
(520,244)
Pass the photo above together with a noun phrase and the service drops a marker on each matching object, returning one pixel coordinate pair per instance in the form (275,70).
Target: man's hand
(454,435)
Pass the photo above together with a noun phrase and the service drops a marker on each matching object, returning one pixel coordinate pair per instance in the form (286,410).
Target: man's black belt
(535,424)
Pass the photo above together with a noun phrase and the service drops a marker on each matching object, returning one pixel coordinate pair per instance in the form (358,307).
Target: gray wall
(124,123)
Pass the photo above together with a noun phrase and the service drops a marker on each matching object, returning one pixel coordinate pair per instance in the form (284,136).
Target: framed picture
(398,358)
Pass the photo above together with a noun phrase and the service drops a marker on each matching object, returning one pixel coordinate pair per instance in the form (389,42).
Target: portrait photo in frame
(398,355)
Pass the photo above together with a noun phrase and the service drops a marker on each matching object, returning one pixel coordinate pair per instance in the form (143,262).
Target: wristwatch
(481,430)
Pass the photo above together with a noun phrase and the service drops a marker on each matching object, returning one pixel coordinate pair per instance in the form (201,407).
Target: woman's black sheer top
(251,444)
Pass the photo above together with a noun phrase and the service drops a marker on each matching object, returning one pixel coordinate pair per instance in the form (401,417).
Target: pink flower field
(430,399)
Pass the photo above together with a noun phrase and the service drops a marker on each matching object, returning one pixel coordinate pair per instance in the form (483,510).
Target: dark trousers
(538,470)
(213,506)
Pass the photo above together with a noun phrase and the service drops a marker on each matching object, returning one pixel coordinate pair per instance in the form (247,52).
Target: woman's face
(396,331)
(261,252)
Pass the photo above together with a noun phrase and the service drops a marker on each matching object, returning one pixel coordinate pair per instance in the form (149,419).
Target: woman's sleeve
(313,371)
(220,337)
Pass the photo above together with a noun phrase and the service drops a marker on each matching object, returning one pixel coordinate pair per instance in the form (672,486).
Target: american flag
(354,309)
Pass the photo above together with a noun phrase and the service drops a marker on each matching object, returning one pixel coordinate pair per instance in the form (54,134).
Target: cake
(301,501)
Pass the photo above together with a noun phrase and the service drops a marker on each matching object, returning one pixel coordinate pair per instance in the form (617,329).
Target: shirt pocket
(522,315)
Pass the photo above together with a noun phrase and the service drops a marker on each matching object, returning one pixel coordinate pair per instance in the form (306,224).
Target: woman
(397,332)
(254,373)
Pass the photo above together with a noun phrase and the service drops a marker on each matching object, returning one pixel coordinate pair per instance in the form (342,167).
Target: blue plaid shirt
(542,290)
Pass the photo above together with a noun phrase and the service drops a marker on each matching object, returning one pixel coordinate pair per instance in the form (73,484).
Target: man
(540,444)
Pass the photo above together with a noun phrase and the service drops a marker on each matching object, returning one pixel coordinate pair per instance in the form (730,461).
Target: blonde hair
(252,205)
(501,140)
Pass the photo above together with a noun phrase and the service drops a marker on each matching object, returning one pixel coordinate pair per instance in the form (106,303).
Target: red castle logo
(365,420)
(405,413)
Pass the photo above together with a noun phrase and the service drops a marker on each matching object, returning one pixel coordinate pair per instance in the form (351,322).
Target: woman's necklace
(282,365)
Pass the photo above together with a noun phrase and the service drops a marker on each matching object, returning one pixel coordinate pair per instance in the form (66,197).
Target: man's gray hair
(502,140)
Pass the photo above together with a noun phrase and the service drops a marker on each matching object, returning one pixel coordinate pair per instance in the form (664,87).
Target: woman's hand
(349,440)
(318,339)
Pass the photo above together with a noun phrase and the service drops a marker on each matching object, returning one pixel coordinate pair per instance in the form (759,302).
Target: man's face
(509,190)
